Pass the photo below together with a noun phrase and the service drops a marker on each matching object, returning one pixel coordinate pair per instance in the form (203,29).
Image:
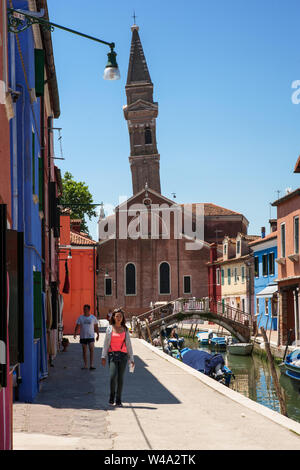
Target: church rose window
(130,279)
(164,278)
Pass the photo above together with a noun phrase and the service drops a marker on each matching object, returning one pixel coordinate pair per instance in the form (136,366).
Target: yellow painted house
(236,272)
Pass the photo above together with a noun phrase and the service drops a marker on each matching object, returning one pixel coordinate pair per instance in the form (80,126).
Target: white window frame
(218,276)
(283,255)
(243,274)
(296,218)
(271,253)
(257,306)
(267,306)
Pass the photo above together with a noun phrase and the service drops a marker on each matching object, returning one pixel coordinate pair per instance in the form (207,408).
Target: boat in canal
(212,365)
(240,349)
(203,337)
(217,342)
(292,365)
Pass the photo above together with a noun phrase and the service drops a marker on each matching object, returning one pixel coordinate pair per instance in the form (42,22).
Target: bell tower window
(148,136)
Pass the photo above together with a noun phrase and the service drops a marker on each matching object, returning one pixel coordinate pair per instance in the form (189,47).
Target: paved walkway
(165,407)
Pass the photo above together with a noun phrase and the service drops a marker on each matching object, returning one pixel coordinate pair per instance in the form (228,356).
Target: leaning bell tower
(141,113)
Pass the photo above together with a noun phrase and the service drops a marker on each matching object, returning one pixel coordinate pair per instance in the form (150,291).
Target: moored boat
(292,365)
(217,342)
(240,349)
(209,364)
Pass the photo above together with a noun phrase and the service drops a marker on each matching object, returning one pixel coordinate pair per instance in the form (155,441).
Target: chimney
(75,225)
(213,252)
(263,232)
(273,225)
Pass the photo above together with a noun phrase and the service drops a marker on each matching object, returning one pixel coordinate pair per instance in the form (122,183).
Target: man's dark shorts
(87,340)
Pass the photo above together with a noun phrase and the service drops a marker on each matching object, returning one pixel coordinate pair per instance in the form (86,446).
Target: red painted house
(77,255)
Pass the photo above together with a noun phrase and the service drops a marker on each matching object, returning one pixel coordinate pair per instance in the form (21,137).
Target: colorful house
(288,215)
(233,271)
(265,275)
(6,374)
(78,259)
(35,189)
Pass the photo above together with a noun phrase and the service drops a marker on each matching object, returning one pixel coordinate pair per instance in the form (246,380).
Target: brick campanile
(141,113)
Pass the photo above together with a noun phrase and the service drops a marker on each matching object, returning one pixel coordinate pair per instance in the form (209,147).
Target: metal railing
(190,305)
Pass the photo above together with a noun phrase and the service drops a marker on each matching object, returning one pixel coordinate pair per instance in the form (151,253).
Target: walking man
(88,325)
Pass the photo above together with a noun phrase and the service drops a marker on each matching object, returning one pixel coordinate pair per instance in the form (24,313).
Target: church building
(152,249)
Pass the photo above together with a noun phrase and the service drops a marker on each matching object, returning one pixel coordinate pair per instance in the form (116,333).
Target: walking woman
(117,347)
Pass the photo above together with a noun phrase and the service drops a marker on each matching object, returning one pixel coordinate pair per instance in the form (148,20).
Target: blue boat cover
(196,359)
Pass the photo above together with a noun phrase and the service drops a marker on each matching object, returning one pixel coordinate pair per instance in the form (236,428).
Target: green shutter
(41,184)
(39,64)
(37,303)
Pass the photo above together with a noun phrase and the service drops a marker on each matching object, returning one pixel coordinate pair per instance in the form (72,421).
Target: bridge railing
(215,306)
(157,313)
(205,304)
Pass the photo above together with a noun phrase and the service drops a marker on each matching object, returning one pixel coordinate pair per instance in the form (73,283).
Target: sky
(228,131)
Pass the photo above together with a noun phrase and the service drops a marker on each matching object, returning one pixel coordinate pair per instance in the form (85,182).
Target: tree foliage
(77,192)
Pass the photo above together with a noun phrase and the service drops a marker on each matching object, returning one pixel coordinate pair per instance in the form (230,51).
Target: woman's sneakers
(111,400)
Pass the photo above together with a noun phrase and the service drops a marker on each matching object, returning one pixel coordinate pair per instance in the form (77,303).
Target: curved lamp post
(20,20)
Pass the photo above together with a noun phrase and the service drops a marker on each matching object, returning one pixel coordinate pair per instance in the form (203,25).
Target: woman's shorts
(87,340)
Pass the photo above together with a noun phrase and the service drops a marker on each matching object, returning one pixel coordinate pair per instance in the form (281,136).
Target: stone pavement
(165,407)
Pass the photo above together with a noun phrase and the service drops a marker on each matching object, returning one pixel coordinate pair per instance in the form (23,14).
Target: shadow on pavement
(68,386)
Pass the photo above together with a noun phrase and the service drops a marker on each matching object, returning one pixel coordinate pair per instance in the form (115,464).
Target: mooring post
(283,409)
(148,329)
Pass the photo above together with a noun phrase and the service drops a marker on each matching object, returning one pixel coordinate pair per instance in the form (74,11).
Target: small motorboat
(209,364)
(176,343)
(292,365)
(202,337)
(217,342)
(240,349)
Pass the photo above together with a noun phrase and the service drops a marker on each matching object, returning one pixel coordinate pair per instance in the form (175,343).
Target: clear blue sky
(227,129)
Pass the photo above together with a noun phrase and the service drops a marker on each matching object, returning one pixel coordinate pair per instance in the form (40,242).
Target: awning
(268,291)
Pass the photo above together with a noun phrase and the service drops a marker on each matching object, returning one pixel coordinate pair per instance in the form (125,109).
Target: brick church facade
(151,249)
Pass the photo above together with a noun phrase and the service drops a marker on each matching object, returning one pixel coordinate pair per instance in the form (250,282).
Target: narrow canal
(253,379)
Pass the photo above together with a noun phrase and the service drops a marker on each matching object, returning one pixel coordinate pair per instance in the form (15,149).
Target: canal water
(254,380)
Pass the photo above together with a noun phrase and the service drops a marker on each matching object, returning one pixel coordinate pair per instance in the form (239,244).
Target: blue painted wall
(261,282)
(27,122)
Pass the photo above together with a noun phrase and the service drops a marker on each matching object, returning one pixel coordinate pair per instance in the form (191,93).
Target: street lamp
(20,20)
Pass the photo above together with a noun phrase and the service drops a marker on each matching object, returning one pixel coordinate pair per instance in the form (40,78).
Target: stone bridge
(237,322)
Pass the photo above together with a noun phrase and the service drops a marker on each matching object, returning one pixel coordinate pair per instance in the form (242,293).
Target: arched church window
(130,279)
(148,136)
(164,278)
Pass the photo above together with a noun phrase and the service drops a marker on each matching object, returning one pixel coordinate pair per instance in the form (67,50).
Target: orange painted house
(78,252)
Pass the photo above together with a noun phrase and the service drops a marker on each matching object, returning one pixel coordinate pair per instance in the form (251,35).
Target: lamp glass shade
(111,73)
